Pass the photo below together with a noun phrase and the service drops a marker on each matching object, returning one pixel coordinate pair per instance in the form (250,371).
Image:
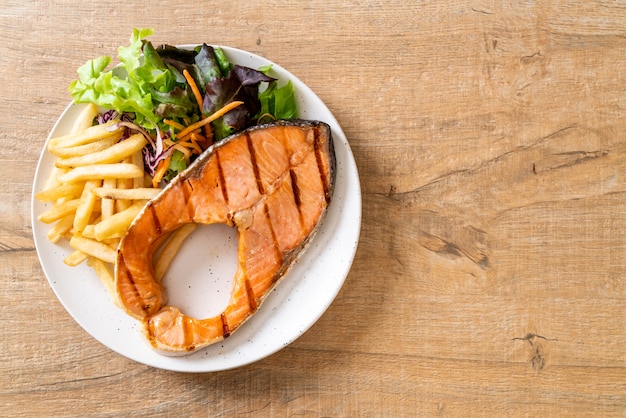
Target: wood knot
(537,359)
(537,354)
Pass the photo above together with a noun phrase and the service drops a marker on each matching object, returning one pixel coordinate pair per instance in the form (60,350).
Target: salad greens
(154,87)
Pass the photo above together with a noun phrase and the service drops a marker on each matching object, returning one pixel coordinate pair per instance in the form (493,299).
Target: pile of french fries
(95,190)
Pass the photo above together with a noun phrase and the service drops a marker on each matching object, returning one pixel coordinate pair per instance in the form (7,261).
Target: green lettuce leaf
(177,164)
(143,84)
(278,102)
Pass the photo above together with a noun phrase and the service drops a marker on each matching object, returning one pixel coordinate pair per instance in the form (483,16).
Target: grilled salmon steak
(273,183)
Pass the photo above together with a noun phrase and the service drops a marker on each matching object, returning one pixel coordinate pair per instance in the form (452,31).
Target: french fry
(89,231)
(64,190)
(85,118)
(53,179)
(94,248)
(86,206)
(170,249)
(59,211)
(123,183)
(117,225)
(75,258)
(91,134)
(61,228)
(91,147)
(107,206)
(139,193)
(137,159)
(102,171)
(112,154)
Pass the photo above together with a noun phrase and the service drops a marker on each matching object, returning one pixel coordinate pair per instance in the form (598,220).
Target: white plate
(294,305)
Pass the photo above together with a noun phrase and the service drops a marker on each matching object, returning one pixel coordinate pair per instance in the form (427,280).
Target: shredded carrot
(202,141)
(194,87)
(191,146)
(173,124)
(196,92)
(218,114)
(160,171)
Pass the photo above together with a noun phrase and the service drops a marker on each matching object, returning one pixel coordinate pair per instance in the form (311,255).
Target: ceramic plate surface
(200,278)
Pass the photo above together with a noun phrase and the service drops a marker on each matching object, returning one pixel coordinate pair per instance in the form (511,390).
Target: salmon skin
(271,182)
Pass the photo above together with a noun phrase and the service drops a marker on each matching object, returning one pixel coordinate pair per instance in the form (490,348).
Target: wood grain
(490,278)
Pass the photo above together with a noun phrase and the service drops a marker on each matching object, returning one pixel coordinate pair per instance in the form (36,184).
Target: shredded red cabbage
(152,153)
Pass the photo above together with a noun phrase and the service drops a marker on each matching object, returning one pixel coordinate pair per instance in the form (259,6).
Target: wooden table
(490,278)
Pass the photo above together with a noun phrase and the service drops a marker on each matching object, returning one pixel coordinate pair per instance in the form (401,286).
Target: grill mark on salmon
(320,165)
(222,180)
(187,192)
(251,297)
(273,183)
(155,219)
(296,193)
(225,329)
(255,166)
(131,282)
(187,333)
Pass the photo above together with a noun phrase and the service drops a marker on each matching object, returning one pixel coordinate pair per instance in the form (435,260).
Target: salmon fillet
(273,183)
